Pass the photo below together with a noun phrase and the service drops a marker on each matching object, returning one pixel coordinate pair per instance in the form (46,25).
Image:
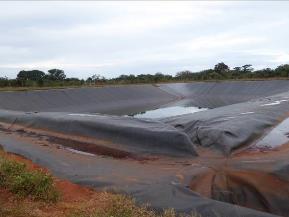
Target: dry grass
(111,205)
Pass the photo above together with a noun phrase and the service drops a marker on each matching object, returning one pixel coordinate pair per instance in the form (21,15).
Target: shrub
(16,178)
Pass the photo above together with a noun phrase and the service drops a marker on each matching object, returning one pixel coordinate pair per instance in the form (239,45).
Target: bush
(16,178)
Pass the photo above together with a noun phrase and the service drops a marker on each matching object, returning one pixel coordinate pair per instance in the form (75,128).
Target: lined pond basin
(167,112)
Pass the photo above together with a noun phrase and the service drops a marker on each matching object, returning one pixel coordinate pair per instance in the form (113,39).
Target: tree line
(37,78)
(221,71)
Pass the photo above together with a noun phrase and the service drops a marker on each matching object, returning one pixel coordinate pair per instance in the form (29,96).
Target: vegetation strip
(35,79)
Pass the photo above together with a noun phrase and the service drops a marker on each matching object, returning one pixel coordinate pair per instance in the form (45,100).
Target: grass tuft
(16,178)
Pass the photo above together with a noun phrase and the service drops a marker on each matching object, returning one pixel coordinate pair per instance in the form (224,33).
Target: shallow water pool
(278,136)
(167,112)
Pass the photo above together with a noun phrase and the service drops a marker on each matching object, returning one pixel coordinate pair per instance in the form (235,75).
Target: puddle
(167,112)
(79,152)
(246,113)
(275,103)
(83,115)
(277,137)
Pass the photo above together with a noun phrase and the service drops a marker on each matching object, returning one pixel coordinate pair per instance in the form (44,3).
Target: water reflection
(167,112)
(276,137)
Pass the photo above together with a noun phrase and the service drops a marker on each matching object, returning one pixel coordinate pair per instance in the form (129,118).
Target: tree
(24,77)
(221,68)
(4,82)
(158,77)
(184,75)
(237,69)
(247,68)
(56,75)
(33,75)
(266,73)
(97,78)
(282,70)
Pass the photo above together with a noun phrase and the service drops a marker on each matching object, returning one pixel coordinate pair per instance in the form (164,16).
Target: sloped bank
(172,162)
(109,100)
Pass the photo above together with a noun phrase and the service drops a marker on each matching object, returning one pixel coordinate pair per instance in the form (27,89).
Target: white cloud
(282,58)
(113,38)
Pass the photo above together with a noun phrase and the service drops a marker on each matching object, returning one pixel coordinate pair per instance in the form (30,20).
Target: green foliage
(142,78)
(221,71)
(283,70)
(221,68)
(247,68)
(30,78)
(4,82)
(36,184)
(9,169)
(56,75)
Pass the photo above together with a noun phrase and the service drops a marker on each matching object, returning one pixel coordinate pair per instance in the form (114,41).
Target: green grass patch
(36,184)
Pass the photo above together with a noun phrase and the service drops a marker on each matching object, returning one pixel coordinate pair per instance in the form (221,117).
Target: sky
(125,37)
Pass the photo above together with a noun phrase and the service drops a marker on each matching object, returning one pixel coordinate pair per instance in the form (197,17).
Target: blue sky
(113,38)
